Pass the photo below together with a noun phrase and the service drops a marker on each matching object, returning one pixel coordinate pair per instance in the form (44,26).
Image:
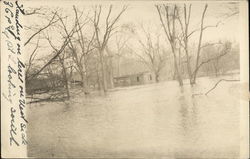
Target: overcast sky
(140,11)
(145,12)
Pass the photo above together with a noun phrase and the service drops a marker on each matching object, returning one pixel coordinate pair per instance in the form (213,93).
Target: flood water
(156,120)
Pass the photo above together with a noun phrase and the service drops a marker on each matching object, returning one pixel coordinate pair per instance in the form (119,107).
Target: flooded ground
(156,120)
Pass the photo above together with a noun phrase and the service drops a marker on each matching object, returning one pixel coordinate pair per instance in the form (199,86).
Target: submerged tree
(168,17)
(103,36)
(153,55)
(176,24)
(184,42)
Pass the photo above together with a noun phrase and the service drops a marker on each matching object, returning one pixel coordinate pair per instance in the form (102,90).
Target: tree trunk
(84,84)
(118,67)
(67,87)
(86,75)
(65,78)
(189,71)
(110,68)
(193,79)
(104,78)
(215,68)
(188,62)
(156,77)
(177,71)
(111,78)
(99,83)
(199,46)
(174,75)
(179,78)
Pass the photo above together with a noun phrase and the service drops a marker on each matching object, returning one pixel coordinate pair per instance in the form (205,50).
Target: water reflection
(159,120)
(189,131)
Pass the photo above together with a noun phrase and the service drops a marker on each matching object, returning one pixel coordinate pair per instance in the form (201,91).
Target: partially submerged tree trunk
(109,64)
(157,77)
(177,73)
(76,58)
(99,81)
(103,70)
(216,69)
(111,80)
(84,83)
(170,31)
(102,40)
(193,81)
(85,44)
(185,38)
(65,78)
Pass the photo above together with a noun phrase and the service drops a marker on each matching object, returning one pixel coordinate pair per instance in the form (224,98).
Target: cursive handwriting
(21,107)
(11,85)
(19,8)
(10,46)
(13,128)
(15,73)
(20,70)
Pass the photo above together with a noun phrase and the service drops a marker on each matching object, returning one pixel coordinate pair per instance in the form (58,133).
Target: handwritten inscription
(13,127)
(11,85)
(21,67)
(15,93)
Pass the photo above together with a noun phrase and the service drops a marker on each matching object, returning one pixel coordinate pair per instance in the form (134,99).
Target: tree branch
(226,80)
(51,22)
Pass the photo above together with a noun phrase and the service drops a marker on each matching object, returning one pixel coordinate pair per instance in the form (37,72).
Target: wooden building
(134,79)
(132,72)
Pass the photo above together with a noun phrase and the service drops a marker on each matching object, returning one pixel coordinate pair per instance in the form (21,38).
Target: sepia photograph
(125,79)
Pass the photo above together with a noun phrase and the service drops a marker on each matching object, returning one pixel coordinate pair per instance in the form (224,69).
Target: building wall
(149,78)
(137,79)
(121,81)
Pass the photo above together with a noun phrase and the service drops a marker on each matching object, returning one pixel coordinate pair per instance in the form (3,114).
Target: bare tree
(61,58)
(225,50)
(31,59)
(86,45)
(103,38)
(79,57)
(168,16)
(184,22)
(197,65)
(36,32)
(232,10)
(52,21)
(185,36)
(109,66)
(120,44)
(65,42)
(114,55)
(153,55)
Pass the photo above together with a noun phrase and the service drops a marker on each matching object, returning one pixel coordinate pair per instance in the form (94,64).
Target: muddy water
(157,120)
